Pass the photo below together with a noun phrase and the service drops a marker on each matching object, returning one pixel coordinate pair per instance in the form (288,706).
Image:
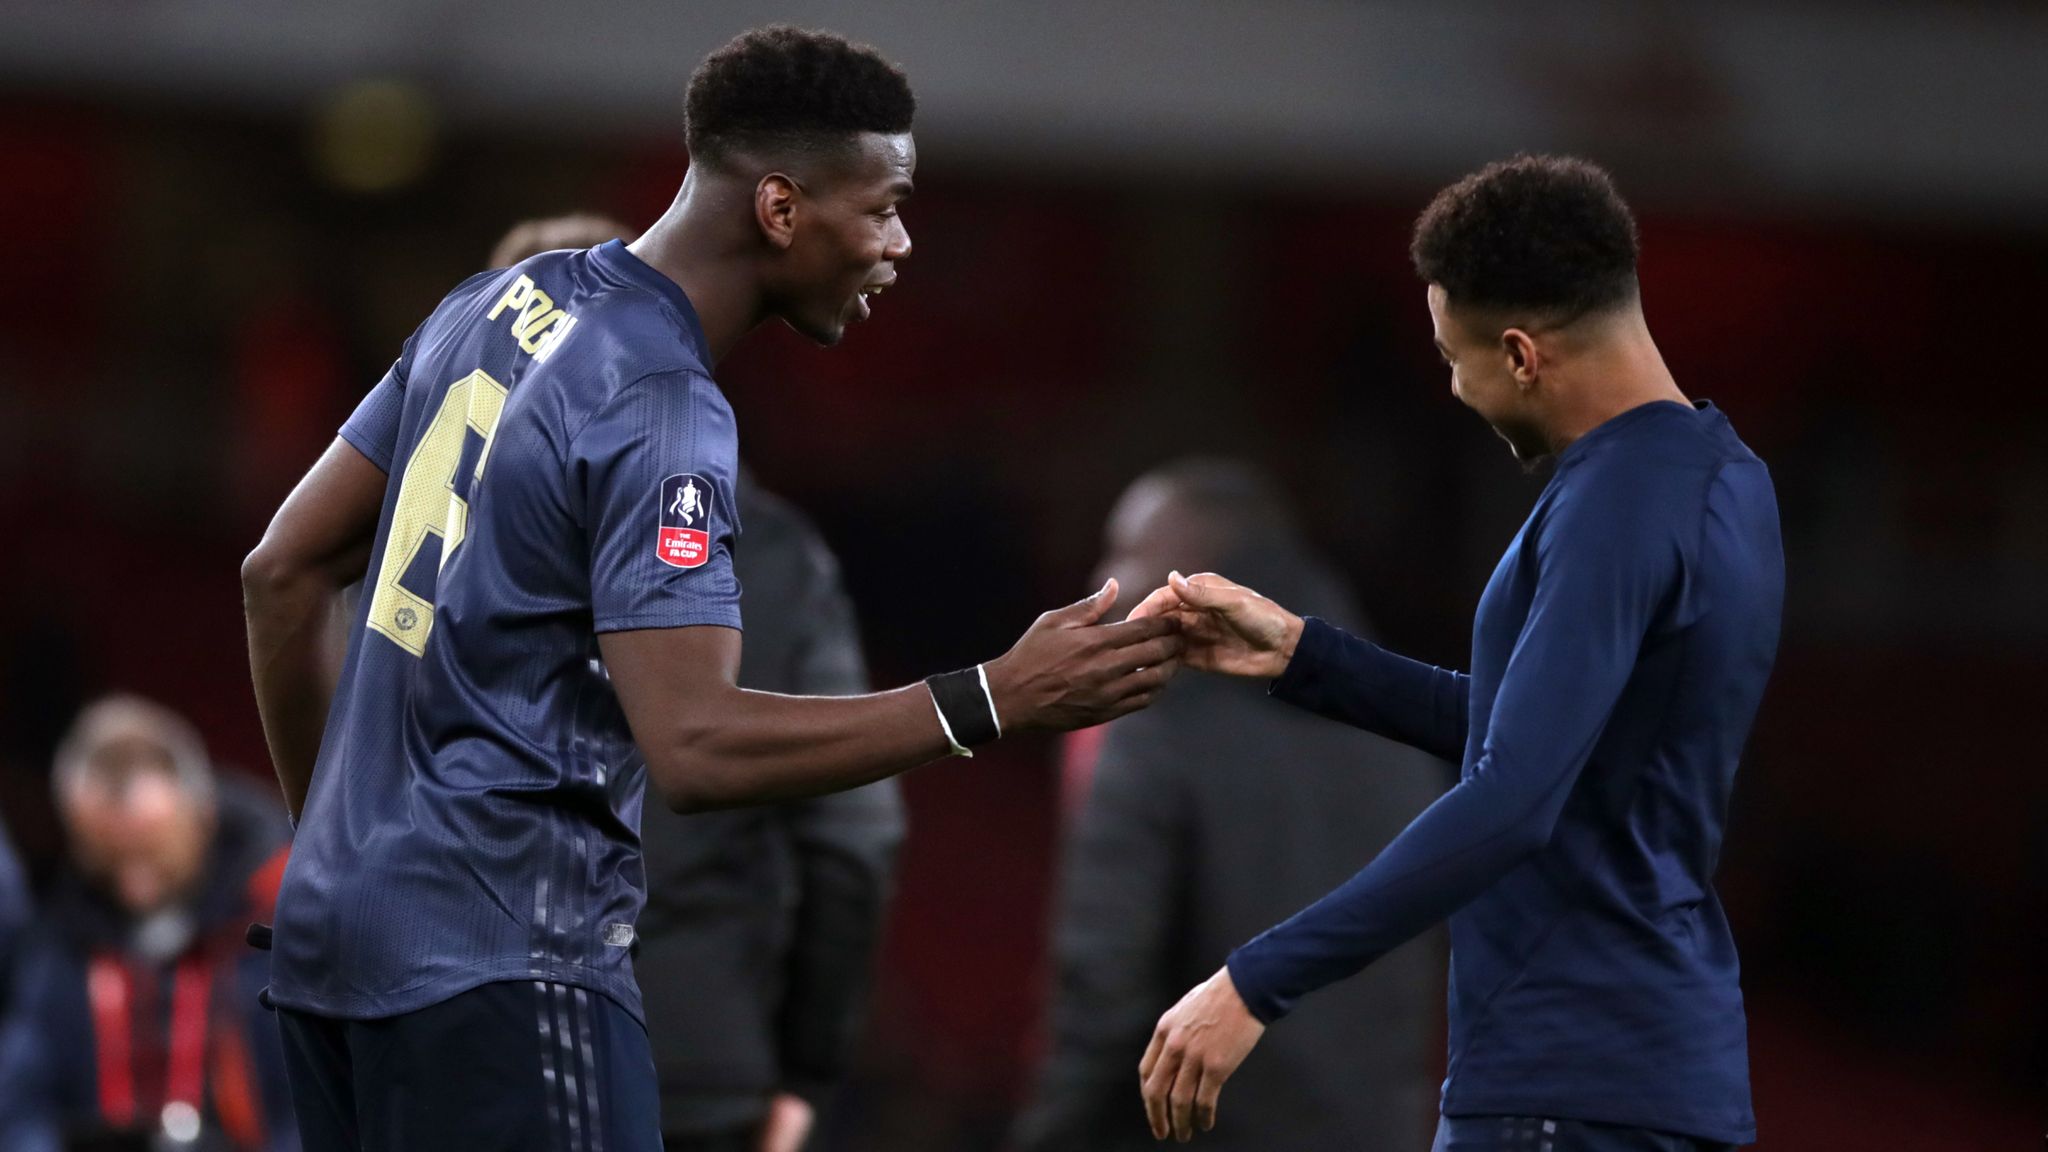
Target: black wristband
(966,710)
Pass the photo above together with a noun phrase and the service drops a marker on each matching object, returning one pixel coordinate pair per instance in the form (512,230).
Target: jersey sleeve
(373,426)
(653,475)
(1606,563)
(1353,680)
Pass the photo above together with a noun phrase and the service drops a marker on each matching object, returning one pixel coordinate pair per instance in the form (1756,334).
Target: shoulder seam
(569,446)
(1696,547)
(408,351)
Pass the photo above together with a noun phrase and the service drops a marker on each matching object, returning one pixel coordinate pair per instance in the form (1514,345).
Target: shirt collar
(615,257)
(1633,416)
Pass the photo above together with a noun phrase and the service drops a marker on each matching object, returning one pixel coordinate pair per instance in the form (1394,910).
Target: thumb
(1204,595)
(1082,613)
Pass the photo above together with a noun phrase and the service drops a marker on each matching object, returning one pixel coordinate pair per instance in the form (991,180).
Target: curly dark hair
(1542,234)
(786,88)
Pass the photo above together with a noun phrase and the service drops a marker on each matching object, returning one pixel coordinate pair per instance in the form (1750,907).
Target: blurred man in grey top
(14,907)
(758,941)
(1211,816)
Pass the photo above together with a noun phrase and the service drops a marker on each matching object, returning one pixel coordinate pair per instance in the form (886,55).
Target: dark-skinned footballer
(539,499)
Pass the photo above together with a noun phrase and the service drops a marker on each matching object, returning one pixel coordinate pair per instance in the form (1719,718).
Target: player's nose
(899,242)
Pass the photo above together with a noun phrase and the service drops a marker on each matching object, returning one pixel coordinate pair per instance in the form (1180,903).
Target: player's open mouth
(869,291)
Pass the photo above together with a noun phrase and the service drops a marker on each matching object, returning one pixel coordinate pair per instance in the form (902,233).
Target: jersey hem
(1635,1114)
(370,450)
(690,619)
(380,1006)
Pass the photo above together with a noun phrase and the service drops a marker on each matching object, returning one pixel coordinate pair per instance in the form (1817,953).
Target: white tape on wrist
(958,748)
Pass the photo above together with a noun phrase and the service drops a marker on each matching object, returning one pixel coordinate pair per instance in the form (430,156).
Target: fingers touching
(1159,602)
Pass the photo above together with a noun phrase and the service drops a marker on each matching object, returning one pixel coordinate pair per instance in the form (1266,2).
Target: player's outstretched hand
(1228,627)
(1069,670)
(1197,1046)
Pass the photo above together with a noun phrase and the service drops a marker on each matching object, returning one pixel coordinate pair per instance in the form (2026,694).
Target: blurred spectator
(758,940)
(14,907)
(1210,817)
(134,1018)
(577,230)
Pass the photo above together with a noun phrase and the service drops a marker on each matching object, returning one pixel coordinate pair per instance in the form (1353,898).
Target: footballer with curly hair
(1618,658)
(539,500)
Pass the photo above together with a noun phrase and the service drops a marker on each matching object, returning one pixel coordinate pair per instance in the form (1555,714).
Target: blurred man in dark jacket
(134,1010)
(14,908)
(759,936)
(1209,817)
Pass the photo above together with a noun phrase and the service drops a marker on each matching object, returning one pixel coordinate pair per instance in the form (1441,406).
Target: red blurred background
(190,306)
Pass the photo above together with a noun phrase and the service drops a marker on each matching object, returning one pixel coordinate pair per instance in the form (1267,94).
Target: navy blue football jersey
(560,465)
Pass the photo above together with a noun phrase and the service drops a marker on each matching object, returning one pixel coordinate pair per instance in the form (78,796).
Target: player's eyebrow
(902,189)
(1440,349)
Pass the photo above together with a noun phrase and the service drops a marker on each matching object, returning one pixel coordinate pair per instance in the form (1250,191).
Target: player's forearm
(1357,682)
(318,543)
(290,616)
(760,747)
(1572,662)
(1460,846)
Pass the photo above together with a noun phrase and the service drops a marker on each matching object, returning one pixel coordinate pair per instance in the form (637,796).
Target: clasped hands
(1226,627)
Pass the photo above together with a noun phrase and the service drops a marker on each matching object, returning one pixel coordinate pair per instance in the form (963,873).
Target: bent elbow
(675,788)
(1530,836)
(264,571)
(686,777)
(686,800)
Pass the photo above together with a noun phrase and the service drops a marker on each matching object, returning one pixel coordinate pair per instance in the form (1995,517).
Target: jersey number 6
(433,509)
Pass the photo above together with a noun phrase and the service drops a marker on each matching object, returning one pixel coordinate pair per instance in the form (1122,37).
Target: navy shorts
(1549,1134)
(520,1066)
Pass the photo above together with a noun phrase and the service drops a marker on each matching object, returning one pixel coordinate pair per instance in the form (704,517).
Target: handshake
(1069,670)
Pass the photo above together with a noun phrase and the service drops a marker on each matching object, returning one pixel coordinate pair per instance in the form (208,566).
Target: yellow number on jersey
(431,512)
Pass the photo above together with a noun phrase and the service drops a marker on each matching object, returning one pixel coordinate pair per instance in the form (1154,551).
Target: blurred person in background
(541,491)
(14,907)
(1209,817)
(1619,655)
(758,941)
(134,1013)
(551,233)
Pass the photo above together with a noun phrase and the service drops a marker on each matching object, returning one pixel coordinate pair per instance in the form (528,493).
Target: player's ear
(1523,359)
(775,201)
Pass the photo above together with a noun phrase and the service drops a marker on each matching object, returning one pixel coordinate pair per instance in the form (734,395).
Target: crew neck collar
(615,256)
(1628,419)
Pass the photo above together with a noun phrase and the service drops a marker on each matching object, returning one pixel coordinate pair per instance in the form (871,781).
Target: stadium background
(1142,229)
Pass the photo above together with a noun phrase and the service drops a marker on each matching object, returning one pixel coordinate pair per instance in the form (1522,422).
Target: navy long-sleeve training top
(1618,657)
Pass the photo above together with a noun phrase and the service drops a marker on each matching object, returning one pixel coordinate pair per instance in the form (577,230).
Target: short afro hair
(783,88)
(1541,234)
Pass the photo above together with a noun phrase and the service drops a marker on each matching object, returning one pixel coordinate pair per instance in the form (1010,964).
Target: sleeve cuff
(367,444)
(681,617)
(1311,652)
(1245,976)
